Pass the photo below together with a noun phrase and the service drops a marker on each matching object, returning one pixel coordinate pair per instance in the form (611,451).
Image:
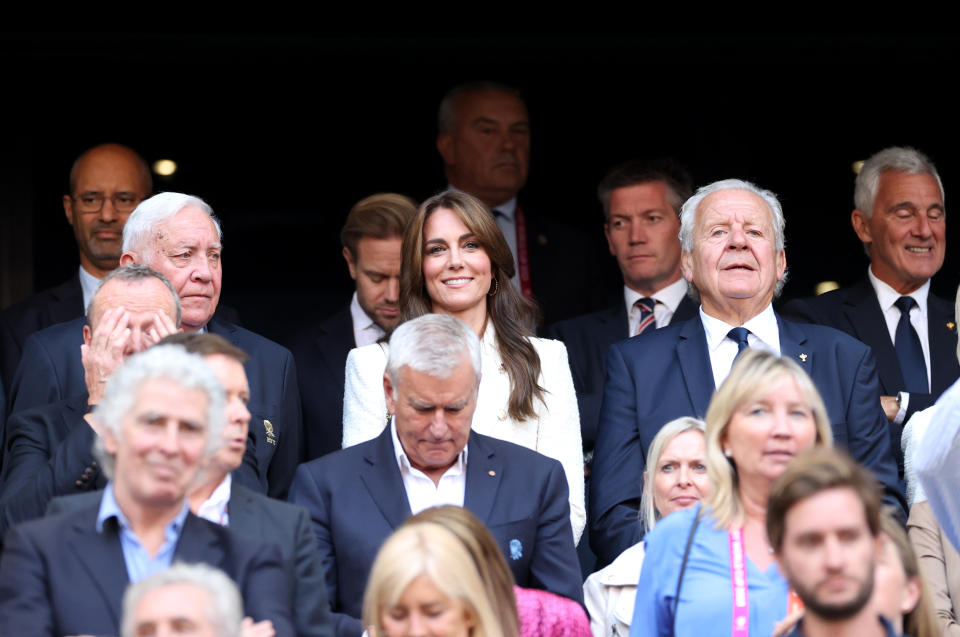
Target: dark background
(282,133)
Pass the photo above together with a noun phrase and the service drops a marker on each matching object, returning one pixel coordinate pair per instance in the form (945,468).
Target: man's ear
(68,208)
(110,443)
(127,258)
(87,335)
(388,393)
(351,262)
(686,266)
(861,225)
(445,148)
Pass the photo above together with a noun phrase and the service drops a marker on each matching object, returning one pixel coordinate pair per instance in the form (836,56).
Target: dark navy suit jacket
(321,356)
(856,311)
(588,338)
(665,374)
(356,499)
(51,370)
(59,576)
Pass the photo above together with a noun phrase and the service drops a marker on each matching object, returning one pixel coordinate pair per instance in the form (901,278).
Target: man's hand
(259,629)
(890,406)
(105,352)
(161,327)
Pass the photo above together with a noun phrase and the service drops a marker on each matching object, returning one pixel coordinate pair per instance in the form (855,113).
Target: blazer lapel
(695,365)
(381,476)
(793,345)
(942,334)
(862,310)
(241,514)
(198,544)
(484,472)
(102,557)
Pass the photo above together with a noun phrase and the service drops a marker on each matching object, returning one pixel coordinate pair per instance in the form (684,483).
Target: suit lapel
(198,544)
(335,340)
(695,365)
(381,476)
(863,312)
(685,311)
(942,334)
(484,472)
(793,345)
(241,514)
(102,557)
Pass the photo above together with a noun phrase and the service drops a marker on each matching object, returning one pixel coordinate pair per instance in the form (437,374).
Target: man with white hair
(195,599)
(178,236)
(732,237)
(428,456)
(161,416)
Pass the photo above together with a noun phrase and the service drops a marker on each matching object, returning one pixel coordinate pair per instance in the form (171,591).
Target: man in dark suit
(371,238)
(178,236)
(106,184)
(732,240)
(428,457)
(484,140)
(641,207)
(900,219)
(162,413)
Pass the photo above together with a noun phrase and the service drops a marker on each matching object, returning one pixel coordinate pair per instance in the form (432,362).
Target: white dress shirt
(365,331)
(422,492)
(887,296)
(668,299)
(88,285)
(214,508)
(764,334)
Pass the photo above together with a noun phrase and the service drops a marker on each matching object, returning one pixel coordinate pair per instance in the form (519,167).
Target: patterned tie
(739,336)
(912,365)
(647,319)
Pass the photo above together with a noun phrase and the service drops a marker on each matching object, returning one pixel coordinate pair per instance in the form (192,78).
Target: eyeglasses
(93,202)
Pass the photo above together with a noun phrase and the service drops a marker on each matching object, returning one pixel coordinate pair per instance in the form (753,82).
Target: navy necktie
(912,365)
(646,305)
(739,336)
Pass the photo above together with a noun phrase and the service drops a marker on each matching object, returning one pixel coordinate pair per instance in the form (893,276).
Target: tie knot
(497,213)
(646,304)
(905,304)
(739,336)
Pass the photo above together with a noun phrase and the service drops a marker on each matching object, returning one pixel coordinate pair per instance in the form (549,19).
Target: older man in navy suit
(732,239)
(371,238)
(178,235)
(427,457)
(161,415)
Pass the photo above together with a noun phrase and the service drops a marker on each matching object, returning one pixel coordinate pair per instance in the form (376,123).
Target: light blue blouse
(705,606)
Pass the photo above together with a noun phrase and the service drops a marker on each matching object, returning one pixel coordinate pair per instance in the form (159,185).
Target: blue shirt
(706,599)
(135,556)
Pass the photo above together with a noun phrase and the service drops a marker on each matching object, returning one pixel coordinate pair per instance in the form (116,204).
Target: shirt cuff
(902,412)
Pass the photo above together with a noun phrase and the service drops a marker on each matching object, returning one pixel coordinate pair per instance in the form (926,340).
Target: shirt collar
(88,285)
(110,509)
(403,462)
(763,326)
(669,296)
(887,296)
(363,324)
(215,506)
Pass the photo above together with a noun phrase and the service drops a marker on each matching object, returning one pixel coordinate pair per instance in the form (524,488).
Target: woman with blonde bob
(456,261)
(425,580)
(765,413)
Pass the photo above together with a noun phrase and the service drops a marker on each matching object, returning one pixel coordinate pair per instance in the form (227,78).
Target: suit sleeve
(870,438)
(927,541)
(560,427)
(306,492)
(311,607)
(266,590)
(287,456)
(616,478)
(34,474)
(35,382)
(555,566)
(364,406)
(23,597)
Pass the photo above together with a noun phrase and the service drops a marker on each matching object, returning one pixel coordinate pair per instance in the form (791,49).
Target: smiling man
(428,456)
(160,419)
(371,239)
(901,220)
(732,236)
(823,521)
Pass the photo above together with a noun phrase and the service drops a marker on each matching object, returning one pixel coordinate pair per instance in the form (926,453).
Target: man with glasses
(106,184)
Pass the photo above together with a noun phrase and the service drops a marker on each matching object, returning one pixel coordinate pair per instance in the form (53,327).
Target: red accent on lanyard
(523,252)
(738,584)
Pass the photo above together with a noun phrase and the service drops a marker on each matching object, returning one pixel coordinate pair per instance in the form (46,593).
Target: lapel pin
(271,436)
(516,549)
(492,472)
(803,358)
(951,326)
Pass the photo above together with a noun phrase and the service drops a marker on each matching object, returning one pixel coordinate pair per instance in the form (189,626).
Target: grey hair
(138,231)
(432,344)
(895,159)
(447,113)
(135,273)
(160,362)
(225,610)
(648,513)
(688,219)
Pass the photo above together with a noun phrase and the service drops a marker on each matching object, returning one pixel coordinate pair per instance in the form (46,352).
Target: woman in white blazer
(456,261)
